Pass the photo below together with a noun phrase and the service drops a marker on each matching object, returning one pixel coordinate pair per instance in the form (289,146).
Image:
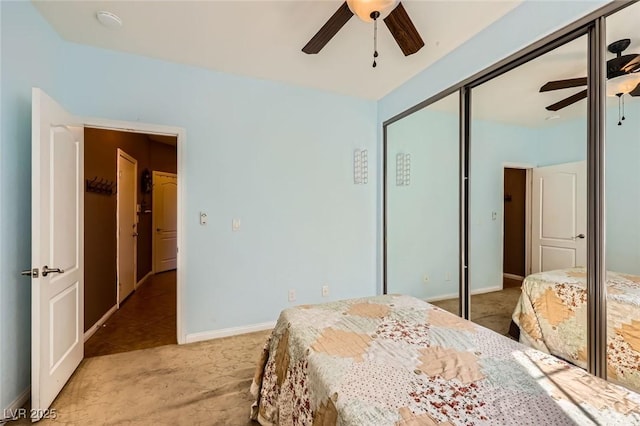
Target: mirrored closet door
(622,188)
(528,202)
(422,204)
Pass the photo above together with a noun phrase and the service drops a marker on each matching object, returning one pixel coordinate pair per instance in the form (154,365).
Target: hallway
(146,319)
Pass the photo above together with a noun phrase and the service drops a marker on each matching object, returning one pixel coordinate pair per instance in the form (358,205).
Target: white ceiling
(264,38)
(514,98)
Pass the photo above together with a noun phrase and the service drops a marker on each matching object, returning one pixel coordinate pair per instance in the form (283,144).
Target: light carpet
(205,383)
(491,310)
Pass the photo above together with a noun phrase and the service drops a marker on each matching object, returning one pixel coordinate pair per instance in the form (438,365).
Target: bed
(397,360)
(552,317)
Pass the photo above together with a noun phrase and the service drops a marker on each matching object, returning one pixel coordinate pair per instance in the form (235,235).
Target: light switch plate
(235,225)
(325,290)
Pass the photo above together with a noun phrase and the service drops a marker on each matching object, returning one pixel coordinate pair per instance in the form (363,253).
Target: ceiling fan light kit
(623,77)
(364,9)
(397,21)
(623,84)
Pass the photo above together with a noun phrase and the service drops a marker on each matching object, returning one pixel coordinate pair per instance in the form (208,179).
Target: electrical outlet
(494,215)
(325,290)
(425,278)
(292,295)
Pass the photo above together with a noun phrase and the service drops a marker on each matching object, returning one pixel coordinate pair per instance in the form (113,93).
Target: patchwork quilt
(552,316)
(397,360)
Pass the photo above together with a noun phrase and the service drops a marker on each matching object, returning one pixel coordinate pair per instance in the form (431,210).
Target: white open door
(57,256)
(559,217)
(127,229)
(165,221)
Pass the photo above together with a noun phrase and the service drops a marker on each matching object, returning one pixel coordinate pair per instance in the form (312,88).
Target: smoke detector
(109,20)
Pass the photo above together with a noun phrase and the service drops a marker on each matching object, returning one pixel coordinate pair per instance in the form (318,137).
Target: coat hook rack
(101,186)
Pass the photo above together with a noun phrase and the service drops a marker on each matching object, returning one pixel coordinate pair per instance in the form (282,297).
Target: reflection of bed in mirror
(552,317)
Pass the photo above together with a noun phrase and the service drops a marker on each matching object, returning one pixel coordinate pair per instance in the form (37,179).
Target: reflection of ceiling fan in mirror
(623,75)
(397,20)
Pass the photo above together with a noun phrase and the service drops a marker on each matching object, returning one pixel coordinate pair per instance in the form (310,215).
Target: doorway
(62,224)
(129,305)
(515,219)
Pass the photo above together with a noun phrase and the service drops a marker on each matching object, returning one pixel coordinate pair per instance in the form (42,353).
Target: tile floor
(146,319)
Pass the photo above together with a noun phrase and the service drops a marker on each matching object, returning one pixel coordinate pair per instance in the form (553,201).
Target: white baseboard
(16,404)
(90,332)
(512,276)
(441,297)
(456,295)
(486,290)
(143,280)
(226,332)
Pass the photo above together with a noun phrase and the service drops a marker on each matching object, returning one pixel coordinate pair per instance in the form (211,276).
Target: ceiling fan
(397,20)
(624,68)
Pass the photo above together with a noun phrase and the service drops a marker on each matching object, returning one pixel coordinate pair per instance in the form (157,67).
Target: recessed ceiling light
(552,117)
(108,19)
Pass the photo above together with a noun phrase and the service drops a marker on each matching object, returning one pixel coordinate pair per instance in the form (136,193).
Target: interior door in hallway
(514,252)
(127,222)
(57,260)
(559,217)
(165,215)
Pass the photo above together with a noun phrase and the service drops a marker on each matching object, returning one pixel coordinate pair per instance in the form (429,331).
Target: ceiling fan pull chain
(374,16)
(619,95)
(622,107)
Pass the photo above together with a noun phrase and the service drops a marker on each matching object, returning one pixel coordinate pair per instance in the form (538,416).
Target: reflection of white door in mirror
(559,217)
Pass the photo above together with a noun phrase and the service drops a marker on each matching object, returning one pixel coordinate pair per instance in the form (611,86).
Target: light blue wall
(492,145)
(422,218)
(277,157)
(623,190)
(29,51)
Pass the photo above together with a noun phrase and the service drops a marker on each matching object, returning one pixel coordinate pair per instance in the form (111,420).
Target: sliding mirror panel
(622,188)
(422,204)
(528,205)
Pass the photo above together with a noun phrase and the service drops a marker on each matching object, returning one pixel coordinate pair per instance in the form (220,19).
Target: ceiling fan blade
(564,84)
(636,91)
(568,101)
(403,30)
(328,30)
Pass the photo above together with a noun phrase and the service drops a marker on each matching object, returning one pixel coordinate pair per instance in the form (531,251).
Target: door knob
(46,270)
(33,273)
(135,234)
(581,236)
